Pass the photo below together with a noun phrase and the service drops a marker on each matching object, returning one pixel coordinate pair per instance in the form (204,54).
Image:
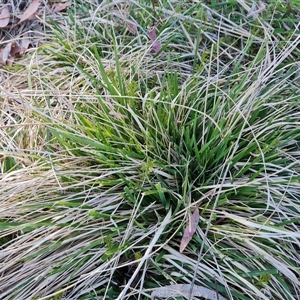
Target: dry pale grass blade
(148,253)
(101,122)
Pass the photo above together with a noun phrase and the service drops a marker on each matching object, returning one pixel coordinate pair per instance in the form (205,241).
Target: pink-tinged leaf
(15,49)
(152,35)
(9,53)
(5,53)
(1,59)
(10,61)
(132,27)
(156,46)
(30,11)
(61,6)
(4,17)
(25,42)
(189,230)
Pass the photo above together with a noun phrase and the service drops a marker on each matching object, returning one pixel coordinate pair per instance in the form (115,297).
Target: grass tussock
(108,147)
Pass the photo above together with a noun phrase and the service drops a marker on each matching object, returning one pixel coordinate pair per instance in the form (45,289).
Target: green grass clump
(116,145)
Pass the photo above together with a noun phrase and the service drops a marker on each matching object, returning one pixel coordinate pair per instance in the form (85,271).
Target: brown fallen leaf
(132,27)
(10,61)
(1,54)
(4,17)
(15,49)
(156,46)
(5,53)
(61,6)
(10,52)
(30,11)
(25,42)
(189,230)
